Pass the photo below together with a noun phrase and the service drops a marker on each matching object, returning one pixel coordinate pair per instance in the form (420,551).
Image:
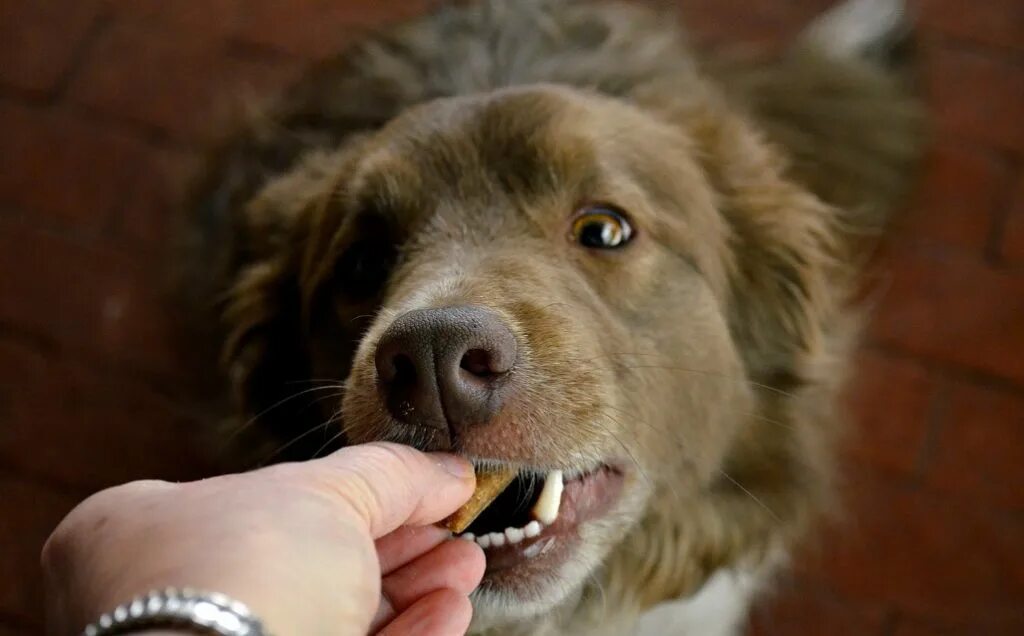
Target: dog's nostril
(478,362)
(403,370)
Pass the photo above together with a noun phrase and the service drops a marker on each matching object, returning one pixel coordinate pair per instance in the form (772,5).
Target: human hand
(340,545)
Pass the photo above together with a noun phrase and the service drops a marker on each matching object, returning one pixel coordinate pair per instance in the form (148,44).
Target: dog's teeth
(468,536)
(497,539)
(484,541)
(532,529)
(514,535)
(546,508)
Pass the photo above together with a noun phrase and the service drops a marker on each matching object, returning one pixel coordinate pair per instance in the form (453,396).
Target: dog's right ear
(236,278)
(239,281)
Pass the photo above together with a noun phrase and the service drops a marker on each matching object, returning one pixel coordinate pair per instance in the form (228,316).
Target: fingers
(440,613)
(390,485)
(455,565)
(405,544)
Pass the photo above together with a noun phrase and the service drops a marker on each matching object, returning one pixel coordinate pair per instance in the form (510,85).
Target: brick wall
(102,100)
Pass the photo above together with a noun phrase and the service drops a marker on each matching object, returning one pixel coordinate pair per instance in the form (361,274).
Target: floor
(100,100)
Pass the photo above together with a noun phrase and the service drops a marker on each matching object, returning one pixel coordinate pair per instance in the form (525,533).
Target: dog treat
(489,484)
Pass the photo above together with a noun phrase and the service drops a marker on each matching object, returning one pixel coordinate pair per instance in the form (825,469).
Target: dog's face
(541,278)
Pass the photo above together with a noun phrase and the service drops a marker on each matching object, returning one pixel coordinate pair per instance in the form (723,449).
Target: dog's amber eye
(601,227)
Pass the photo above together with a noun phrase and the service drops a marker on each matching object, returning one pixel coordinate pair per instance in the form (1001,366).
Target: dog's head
(586,289)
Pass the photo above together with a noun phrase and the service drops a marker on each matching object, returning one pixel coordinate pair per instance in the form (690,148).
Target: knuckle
(112,501)
(91,515)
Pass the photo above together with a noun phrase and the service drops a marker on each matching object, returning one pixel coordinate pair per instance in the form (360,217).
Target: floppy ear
(787,274)
(783,293)
(265,355)
(241,274)
(238,252)
(265,350)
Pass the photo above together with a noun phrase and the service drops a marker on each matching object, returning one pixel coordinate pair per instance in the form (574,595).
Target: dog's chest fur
(718,609)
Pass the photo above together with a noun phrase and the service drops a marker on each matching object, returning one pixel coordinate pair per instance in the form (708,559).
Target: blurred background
(103,101)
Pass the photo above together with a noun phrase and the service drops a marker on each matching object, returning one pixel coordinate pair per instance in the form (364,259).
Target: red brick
(921,552)
(999,22)
(84,298)
(799,609)
(981,446)
(1012,247)
(745,22)
(88,427)
(957,198)
(890,400)
(148,219)
(1008,540)
(953,308)
(172,81)
(317,28)
(59,168)
(30,514)
(39,41)
(1009,626)
(977,96)
(208,18)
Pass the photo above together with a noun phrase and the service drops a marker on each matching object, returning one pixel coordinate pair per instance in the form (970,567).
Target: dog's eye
(364,267)
(601,227)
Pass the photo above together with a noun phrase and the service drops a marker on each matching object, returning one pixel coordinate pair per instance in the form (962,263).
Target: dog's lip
(589,493)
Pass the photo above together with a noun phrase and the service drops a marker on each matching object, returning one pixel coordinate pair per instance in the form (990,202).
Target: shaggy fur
(705,356)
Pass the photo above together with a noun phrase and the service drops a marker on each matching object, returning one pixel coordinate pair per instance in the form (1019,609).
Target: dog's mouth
(536,519)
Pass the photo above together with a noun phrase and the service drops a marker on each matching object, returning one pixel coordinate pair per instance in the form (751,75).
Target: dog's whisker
(294,441)
(755,415)
(759,385)
(596,583)
(625,448)
(680,436)
(327,444)
(706,372)
(241,429)
(331,396)
(768,420)
(751,495)
(315,381)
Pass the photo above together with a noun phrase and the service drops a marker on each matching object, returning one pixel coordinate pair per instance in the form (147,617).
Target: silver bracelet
(185,608)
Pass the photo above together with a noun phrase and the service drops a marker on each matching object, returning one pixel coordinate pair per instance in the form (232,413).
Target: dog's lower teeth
(546,508)
(510,536)
(514,535)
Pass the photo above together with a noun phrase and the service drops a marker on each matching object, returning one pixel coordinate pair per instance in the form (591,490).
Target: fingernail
(455,465)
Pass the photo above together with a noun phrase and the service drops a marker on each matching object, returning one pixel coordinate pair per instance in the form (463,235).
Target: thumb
(390,485)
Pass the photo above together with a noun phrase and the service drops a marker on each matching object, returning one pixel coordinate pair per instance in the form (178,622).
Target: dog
(548,235)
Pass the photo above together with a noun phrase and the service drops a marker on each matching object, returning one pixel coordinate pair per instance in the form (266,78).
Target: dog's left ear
(788,274)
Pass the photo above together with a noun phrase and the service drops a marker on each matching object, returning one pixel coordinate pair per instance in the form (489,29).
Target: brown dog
(547,235)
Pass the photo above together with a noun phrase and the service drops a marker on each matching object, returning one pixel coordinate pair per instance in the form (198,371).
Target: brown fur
(707,353)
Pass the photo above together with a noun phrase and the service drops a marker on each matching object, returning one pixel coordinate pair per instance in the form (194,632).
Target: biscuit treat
(489,484)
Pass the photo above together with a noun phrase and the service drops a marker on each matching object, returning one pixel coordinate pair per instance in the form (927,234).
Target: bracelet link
(200,612)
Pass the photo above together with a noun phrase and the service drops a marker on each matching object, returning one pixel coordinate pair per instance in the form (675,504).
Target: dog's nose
(445,367)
